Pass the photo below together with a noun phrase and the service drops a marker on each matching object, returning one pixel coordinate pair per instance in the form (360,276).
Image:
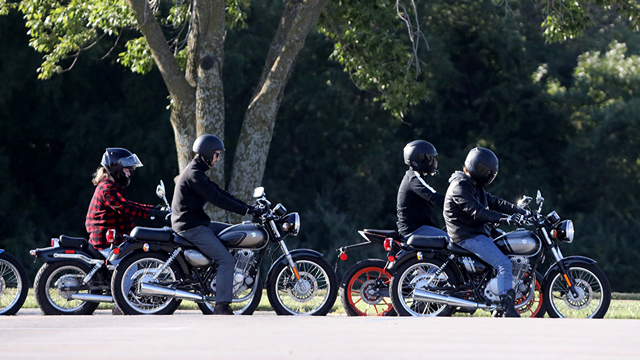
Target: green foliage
(138,56)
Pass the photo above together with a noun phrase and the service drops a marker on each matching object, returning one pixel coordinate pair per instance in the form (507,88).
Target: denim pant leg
(426,230)
(488,252)
(204,238)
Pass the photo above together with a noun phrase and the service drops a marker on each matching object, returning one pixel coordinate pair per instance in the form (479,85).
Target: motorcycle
(364,289)
(434,277)
(158,268)
(14,284)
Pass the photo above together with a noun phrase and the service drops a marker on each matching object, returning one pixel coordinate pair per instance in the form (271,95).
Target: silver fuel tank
(519,242)
(244,236)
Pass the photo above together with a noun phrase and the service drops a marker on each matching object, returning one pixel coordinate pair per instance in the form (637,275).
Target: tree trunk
(257,129)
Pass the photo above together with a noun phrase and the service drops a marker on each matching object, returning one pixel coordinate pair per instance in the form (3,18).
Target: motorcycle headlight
(564,231)
(291,224)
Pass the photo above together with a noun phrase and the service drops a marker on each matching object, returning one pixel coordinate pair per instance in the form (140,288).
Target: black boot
(222,308)
(508,302)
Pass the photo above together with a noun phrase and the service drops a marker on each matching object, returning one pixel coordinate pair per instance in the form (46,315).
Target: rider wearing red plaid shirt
(109,208)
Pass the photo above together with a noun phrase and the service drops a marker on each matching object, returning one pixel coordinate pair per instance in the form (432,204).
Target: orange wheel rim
(365,277)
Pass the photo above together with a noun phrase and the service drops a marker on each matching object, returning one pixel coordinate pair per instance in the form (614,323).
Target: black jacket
(193,190)
(468,210)
(415,204)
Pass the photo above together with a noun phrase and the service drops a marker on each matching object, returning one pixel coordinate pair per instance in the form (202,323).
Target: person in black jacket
(416,199)
(468,212)
(193,190)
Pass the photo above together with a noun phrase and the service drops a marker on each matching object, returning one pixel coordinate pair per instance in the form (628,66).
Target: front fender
(568,261)
(294,253)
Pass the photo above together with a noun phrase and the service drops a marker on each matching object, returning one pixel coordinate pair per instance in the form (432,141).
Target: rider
(416,199)
(193,190)
(468,212)
(109,207)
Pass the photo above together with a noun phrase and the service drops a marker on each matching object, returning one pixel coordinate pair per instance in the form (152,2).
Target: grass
(623,306)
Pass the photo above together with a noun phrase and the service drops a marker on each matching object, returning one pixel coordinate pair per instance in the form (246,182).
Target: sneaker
(222,308)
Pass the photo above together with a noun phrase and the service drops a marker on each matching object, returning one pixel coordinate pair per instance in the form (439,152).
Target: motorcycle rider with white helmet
(469,211)
(192,191)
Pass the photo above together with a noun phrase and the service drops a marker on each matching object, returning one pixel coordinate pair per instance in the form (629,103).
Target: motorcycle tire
(139,267)
(238,309)
(315,292)
(360,293)
(14,284)
(414,274)
(51,300)
(593,290)
(535,308)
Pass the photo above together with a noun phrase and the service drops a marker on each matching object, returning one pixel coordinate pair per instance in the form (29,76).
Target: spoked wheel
(249,300)
(592,289)
(416,275)
(364,290)
(313,294)
(137,269)
(535,306)
(13,284)
(51,288)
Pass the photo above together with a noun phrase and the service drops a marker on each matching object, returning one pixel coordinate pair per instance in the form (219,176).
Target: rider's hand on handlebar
(255,210)
(513,219)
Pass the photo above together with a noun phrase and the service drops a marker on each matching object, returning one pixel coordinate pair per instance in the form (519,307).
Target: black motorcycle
(435,277)
(14,284)
(158,268)
(364,289)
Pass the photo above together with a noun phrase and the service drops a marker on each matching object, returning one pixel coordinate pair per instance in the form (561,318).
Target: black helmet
(114,160)
(482,165)
(421,156)
(206,145)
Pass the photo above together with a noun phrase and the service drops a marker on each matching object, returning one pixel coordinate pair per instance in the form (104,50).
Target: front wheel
(139,268)
(314,293)
(364,290)
(417,275)
(592,298)
(13,284)
(51,288)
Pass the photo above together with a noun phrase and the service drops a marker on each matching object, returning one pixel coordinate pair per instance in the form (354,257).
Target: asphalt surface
(191,335)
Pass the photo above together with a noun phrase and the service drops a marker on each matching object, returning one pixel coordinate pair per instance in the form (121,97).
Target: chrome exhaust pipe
(92,297)
(448,300)
(156,290)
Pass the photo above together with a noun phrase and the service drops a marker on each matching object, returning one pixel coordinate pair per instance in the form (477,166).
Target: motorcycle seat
(152,234)
(459,250)
(431,242)
(386,233)
(72,242)
(179,240)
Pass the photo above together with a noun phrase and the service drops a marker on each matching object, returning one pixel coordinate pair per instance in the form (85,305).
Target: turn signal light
(111,235)
(554,233)
(387,244)
(343,257)
(145,247)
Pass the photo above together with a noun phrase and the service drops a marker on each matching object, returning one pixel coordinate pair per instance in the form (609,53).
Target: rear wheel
(416,275)
(51,288)
(139,268)
(592,298)
(535,306)
(314,293)
(364,290)
(13,284)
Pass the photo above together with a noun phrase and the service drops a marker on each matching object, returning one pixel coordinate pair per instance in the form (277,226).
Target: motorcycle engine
(243,274)
(521,274)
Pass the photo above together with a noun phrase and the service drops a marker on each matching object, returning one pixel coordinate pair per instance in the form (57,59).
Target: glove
(255,210)
(514,219)
(159,214)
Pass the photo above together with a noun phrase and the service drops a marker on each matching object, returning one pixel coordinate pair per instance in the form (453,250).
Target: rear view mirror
(539,198)
(160,191)
(258,192)
(522,203)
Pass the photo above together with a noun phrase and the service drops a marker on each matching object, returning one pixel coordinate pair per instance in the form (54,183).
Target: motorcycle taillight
(387,244)
(111,236)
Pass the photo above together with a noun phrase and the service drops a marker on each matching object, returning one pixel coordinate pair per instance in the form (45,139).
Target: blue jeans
(488,252)
(204,237)
(426,230)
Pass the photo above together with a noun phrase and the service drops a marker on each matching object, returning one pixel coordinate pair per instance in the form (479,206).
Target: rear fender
(130,247)
(406,255)
(48,254)
(568,261)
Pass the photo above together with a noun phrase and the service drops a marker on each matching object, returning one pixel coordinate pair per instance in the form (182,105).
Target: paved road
(190,335)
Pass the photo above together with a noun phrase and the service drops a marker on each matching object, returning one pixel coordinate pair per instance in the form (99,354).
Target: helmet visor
(486,174)
(130,162)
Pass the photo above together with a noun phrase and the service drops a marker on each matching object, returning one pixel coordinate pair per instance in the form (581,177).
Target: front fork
(284,248)
(557,254)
